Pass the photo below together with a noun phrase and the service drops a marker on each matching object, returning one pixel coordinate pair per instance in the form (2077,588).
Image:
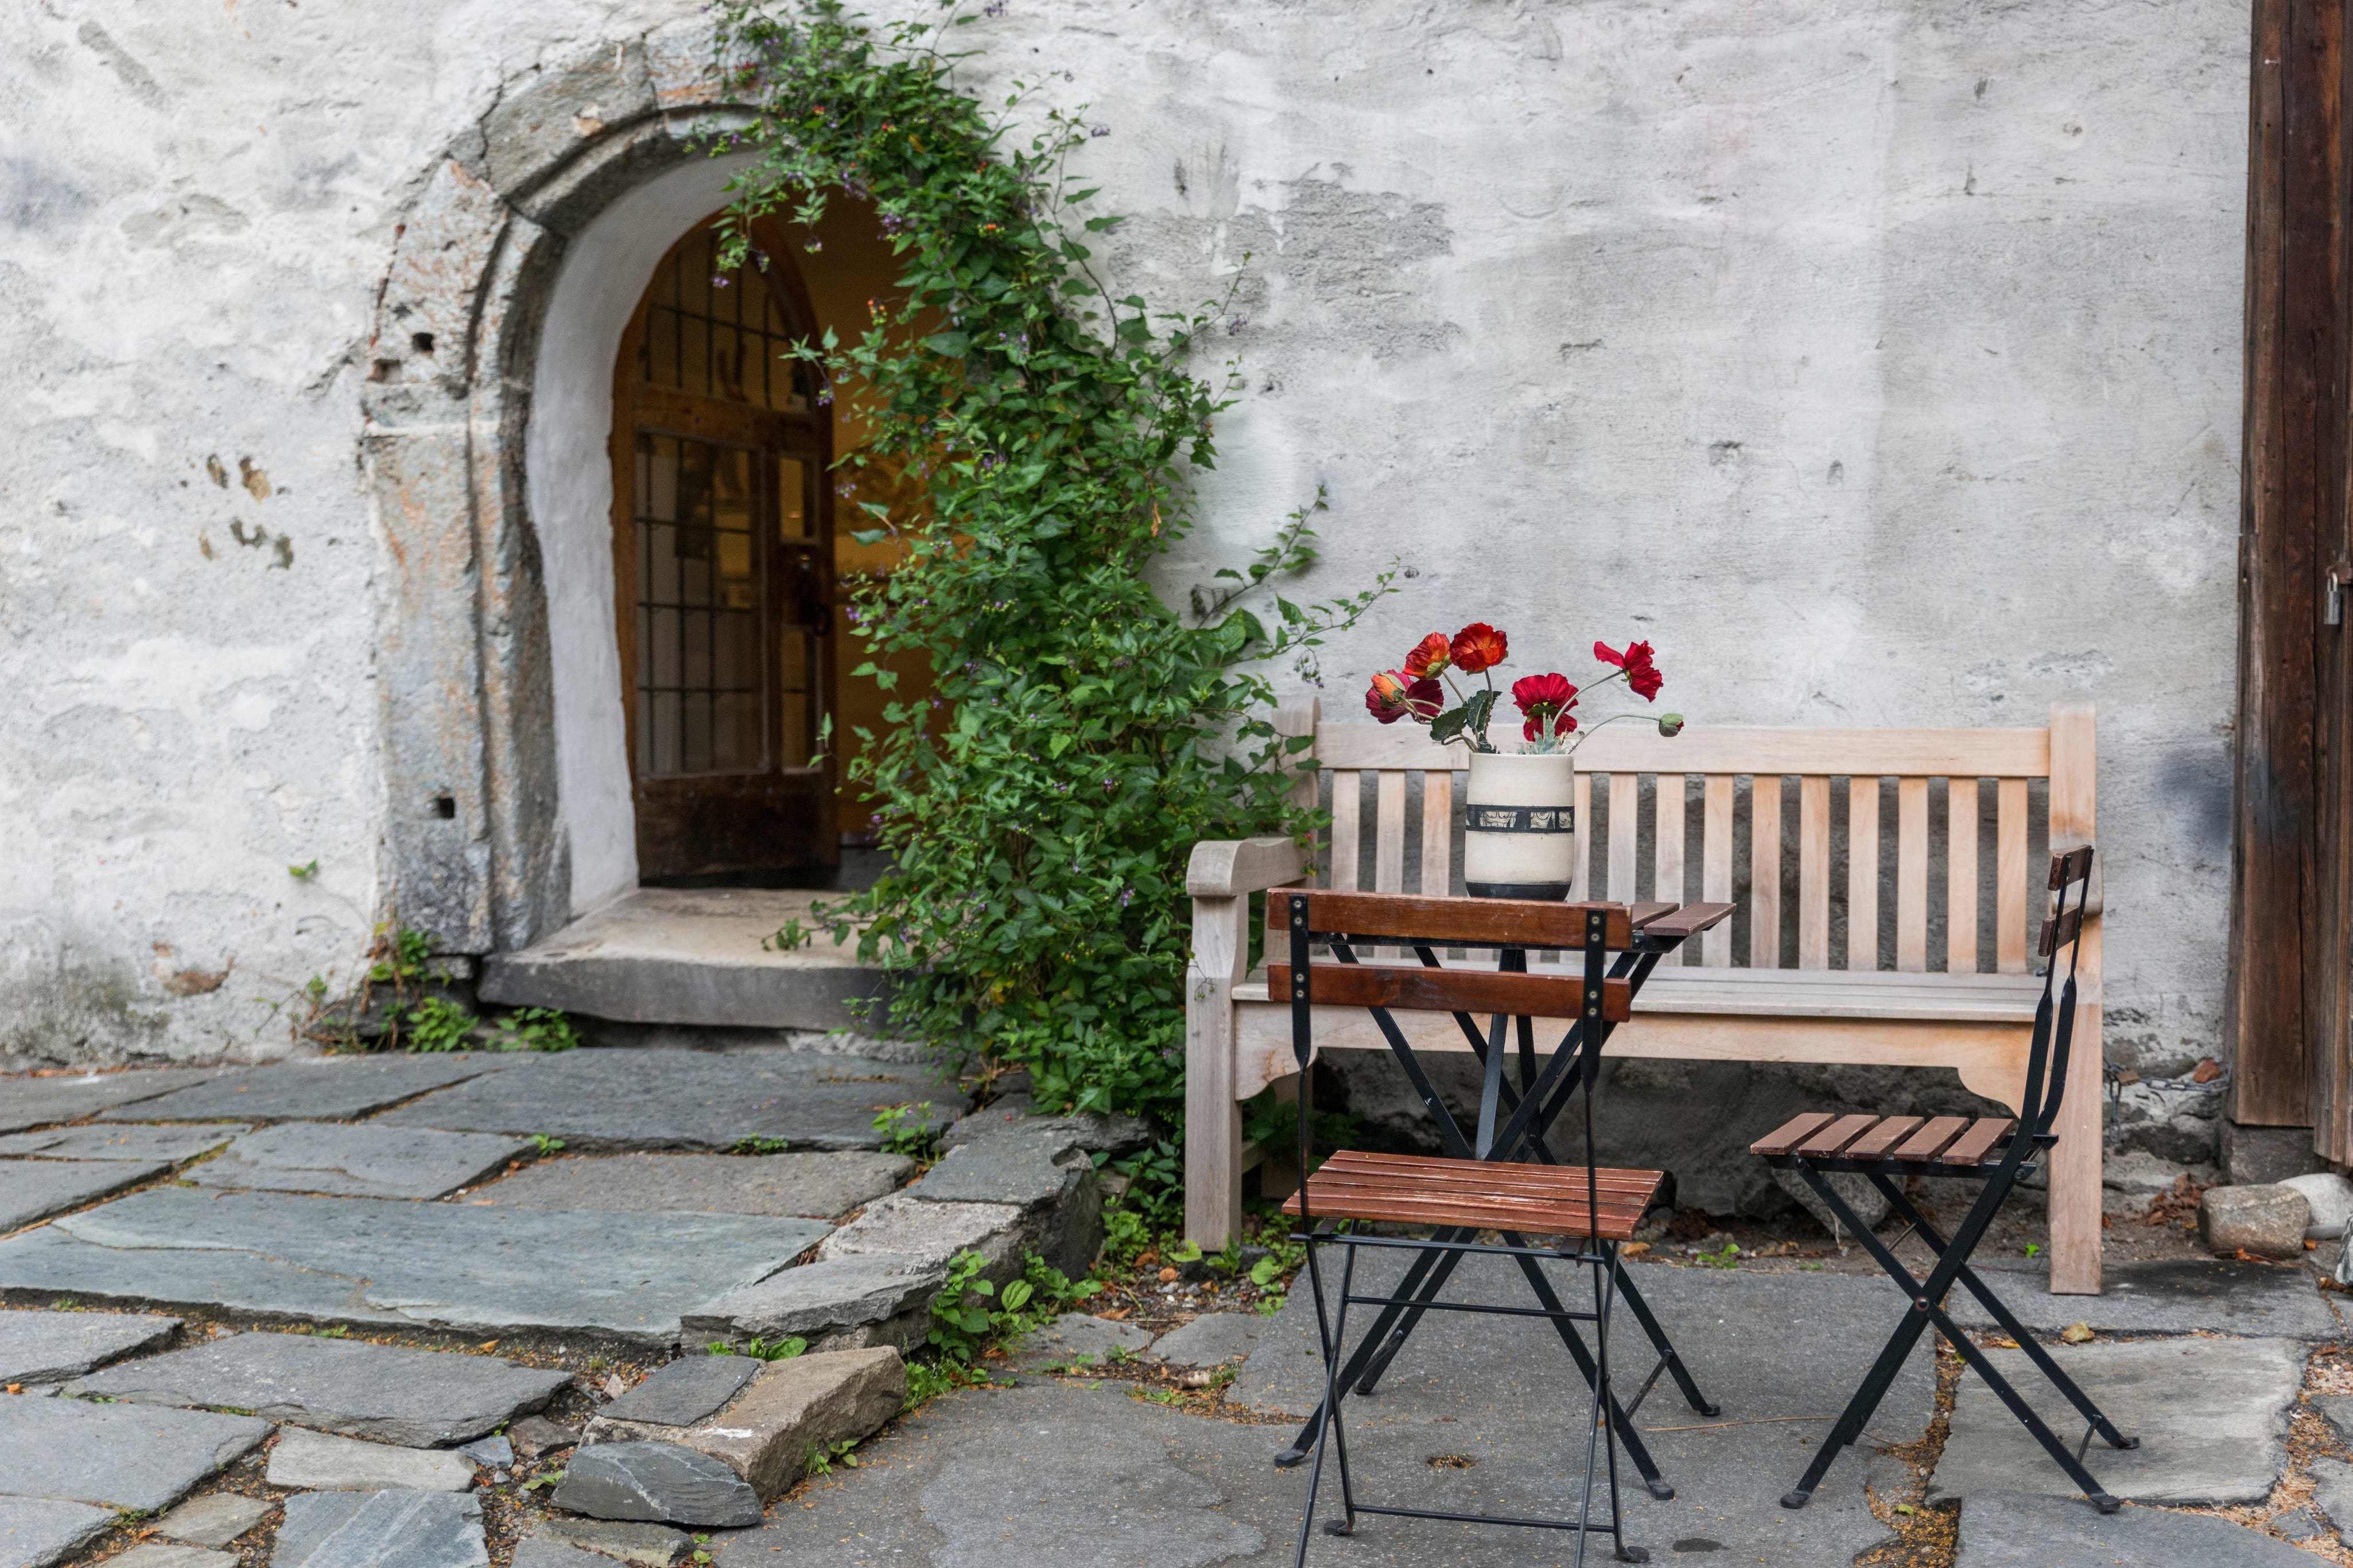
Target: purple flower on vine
(994,8)
(1099,130)
(719,280)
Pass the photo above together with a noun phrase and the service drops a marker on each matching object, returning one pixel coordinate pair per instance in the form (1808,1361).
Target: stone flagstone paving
(330,1088)
(48,1347)
(361,1160)
(33,1190)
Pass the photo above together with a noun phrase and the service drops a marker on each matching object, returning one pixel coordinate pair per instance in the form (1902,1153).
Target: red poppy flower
(1392,697)
(1645,682)
(1534,729)
(1428,657)
(1642,675)
(1538,695)
(1479,646)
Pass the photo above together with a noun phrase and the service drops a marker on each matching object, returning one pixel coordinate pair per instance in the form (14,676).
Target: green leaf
(870,535)
(948,345)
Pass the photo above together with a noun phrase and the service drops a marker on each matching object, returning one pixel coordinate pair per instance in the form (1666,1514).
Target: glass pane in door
(701,687)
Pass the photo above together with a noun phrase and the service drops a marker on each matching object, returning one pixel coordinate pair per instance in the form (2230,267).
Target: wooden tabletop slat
(1972,1146)
(1830,1139)
(1791,1133)
(1640,915)
(1930,1141)
(1689,921)
(1875,1143)
(1420,989)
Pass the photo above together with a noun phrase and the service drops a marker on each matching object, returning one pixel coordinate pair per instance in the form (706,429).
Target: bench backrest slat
(1840,777)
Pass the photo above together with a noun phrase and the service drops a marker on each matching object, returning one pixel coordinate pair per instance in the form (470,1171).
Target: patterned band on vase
(1552,891)
(1519,819)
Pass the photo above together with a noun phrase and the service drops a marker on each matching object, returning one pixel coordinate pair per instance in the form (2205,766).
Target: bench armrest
(1234,867)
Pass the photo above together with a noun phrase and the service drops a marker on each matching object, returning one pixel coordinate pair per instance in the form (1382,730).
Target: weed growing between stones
(403,1000)
(1085,734)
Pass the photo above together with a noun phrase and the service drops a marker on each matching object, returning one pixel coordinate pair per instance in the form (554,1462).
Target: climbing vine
(1042,436)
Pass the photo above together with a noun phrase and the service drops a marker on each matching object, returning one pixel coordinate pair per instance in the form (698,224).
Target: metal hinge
(2332,612)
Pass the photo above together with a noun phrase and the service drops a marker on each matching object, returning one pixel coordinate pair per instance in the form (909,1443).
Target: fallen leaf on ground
(1634,1249)
(2076,1333)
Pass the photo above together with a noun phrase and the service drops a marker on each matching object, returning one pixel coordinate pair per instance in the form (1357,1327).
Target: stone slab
(2011,1530)
(817,1186)
(495,1452)
(645,1545)
(116,1456)
(2332,1488)
(33,1190)
(906,1224)
(44,1347)
(2223,1296)
(26,1102)
(383,1392)
(363,1161)
(1095,1132)
(368,1260)
(1020,1166)
(2210,1414)
(819,1298)
(380,1530)
(537,1552)
(124,1142)
(1076,1339)
(166,1555)
(600,1100)
(1212,1339)
(215,1519)
(536,1434)
(36,1532)
(314,1461)
(685,1391)
(313,1088)
(660,1482)
(801,1406)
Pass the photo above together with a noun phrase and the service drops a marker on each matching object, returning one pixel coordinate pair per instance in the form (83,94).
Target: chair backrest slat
(1925,889)
(1451,922)
(1814,871)
(1409,988)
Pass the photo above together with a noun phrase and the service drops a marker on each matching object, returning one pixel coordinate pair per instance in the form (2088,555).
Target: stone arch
(519,239)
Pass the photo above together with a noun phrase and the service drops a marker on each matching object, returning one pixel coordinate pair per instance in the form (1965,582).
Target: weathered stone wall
(1879,362)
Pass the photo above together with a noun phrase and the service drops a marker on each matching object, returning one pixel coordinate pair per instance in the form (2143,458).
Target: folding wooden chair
(1993,1149)
(1594,1209)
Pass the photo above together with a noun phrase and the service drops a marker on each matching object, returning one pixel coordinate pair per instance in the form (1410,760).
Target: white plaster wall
(604,272)
(1878,361)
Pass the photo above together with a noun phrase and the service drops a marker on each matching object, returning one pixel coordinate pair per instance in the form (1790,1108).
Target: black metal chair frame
(2054,1026)
(1526,1114)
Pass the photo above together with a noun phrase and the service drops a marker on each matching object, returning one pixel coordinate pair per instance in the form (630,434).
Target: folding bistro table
(1619,946)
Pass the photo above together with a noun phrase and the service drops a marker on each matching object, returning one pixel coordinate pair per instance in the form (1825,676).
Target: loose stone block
(1075,1337)
(41,1347)
(38,1102)
(363,1161)
(2332,1488)
(2331,1197)
(383,1392)
(315,1462)
(37,1531)
(1212,1339)
(908,1225)
(888,1292)
(215,1519)
(820,1186)
(379,1529)
(116,1456)
(366,1260)
(685,1391)
(2009,1530)
(802,1406)
(495,1452)
(35,1189)
(162,1554)
(1094,1133)
(645,1545)
(1026,1166)
(618,1100)
(2266,1220)
(321,1089)
(536,1434)
(2210,1414)
(173,1144)
(658,1481)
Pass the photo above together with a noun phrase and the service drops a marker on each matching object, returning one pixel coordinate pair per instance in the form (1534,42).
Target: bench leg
(1213,1122)
(2075,1163)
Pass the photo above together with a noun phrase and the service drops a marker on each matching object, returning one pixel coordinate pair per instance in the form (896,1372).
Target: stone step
(668,955)
(766,1433)
(487,1271)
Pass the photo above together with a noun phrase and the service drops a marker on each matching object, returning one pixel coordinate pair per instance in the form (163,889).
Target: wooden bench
(1889,999)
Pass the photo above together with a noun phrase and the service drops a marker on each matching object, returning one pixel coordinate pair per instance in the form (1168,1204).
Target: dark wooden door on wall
(722,563)
(2291,954)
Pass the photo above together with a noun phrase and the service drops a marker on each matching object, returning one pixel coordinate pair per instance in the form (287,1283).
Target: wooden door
(722,533)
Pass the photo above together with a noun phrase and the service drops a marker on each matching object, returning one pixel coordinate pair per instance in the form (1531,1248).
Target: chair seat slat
(1875,1143)
(1930,1141)
(1831,1140)
(1790,1133)
(1973,1146)
(1539,1199)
